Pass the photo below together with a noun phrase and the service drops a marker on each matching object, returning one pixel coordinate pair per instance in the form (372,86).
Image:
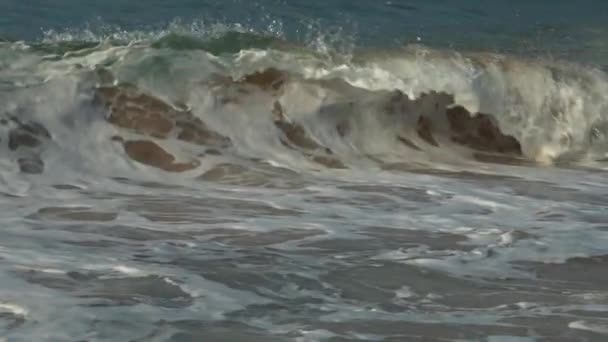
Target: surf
(182,104)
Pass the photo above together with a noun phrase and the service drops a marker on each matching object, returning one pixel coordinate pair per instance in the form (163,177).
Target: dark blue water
(561,28)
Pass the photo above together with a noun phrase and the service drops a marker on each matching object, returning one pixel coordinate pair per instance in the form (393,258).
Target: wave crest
(178,104)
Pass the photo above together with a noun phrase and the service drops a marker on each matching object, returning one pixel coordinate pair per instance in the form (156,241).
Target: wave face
(165,102)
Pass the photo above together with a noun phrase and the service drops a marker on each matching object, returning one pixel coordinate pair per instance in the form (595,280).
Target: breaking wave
(201,105)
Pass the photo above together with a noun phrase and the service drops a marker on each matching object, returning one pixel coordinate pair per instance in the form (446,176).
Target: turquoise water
(303,170)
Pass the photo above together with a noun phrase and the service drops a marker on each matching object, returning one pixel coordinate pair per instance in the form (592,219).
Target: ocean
(277,170)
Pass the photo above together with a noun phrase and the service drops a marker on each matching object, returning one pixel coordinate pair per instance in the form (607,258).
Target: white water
(127,251)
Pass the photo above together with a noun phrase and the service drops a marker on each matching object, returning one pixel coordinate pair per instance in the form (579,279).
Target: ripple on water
(73,214)
(112,291)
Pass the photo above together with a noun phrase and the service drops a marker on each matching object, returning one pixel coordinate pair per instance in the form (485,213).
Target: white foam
(193,293)
(589,326)
(313,335)
(482,202)
(526,305)
(405,292)
(506,239)
(131,271)
(13,309)
(47,270)
(53,271)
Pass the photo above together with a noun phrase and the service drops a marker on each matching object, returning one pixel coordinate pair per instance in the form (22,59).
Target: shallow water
(402,256)
(301,175)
